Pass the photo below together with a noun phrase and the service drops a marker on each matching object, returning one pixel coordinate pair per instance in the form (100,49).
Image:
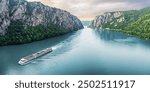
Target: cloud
(88,9)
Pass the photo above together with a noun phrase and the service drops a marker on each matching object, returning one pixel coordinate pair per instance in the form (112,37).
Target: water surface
(86,51)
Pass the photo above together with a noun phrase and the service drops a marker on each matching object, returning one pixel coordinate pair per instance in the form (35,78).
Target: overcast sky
(88,9)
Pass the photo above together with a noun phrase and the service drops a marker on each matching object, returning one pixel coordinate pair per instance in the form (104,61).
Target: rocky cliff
(118,20)
(111,18)
(4,16)
(22,15)
(35,13)
(132,22)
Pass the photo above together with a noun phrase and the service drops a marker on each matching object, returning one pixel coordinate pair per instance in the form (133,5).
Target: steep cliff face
(4,16)
(118,20)
(111,18)
(34,14)
(23,22)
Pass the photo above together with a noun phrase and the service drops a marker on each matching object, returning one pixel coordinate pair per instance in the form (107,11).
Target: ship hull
(27,59)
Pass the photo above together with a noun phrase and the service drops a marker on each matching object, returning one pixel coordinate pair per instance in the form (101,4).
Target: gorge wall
(19,15)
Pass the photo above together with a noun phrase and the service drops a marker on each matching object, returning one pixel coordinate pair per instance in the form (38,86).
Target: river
(84,52)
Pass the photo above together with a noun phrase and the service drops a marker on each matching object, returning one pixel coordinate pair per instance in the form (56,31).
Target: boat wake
(57,46)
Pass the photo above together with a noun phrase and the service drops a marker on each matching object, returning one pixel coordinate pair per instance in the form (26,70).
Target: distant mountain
(22,22)
(86,23)
(108,20)
(121,20)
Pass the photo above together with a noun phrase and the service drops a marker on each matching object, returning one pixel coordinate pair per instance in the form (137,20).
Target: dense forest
(18,35)
(137,23)
(140,28)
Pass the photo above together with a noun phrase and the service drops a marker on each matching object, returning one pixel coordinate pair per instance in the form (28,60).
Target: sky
(88,9)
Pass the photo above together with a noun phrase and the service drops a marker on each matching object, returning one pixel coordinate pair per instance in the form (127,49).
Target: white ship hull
(27,59)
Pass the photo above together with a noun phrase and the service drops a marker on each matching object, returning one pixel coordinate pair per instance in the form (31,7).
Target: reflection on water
(120,38)
(86,51)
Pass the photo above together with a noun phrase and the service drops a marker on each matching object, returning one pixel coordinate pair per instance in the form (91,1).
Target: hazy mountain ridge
(16,16)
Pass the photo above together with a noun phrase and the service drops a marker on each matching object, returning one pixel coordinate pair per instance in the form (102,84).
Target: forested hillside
(133,22)
(140,28)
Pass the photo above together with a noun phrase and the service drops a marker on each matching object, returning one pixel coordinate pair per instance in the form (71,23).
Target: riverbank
(33,34)
(141,35)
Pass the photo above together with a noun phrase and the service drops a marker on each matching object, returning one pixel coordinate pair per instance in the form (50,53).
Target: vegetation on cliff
(18,35)
(140,28)
(23,22)
(133,22)
(129,17)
